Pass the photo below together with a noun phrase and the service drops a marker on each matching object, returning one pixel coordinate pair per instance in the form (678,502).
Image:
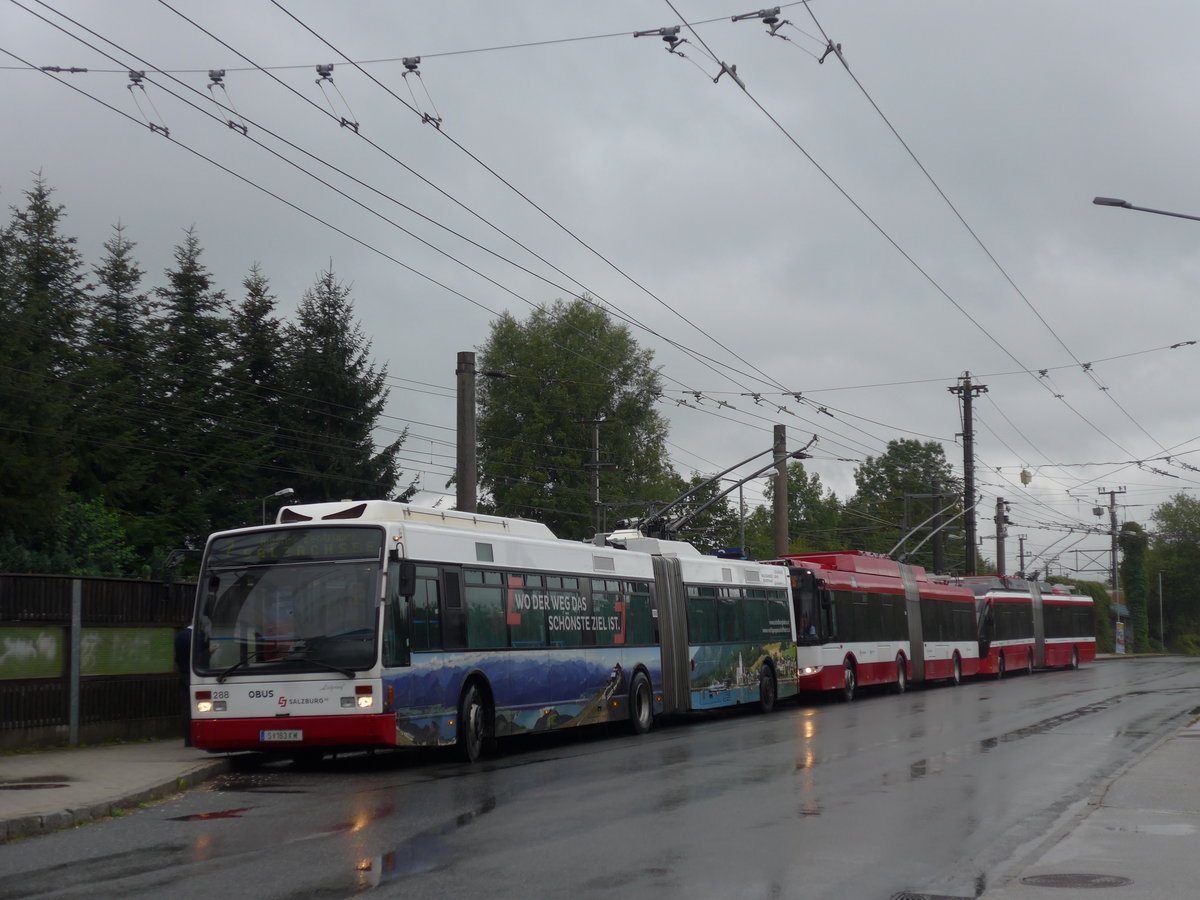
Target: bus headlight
(203,706)
(365,702)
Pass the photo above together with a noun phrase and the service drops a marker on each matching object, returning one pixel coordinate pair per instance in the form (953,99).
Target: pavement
(48,790)
(1138,834)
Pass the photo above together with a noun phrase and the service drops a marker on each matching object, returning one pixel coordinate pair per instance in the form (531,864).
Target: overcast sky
(783,232)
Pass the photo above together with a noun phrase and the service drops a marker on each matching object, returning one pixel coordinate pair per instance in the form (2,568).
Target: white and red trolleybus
(381,624)
(1025,625)
(865,619)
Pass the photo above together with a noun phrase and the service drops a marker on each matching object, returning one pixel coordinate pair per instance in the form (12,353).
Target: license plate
(296,735)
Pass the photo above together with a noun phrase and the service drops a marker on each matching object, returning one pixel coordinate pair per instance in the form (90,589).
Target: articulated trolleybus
(377,624)
(1025,625)
(865,619)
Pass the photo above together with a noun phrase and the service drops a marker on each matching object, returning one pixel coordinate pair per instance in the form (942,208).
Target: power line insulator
(325,72)
(216,78)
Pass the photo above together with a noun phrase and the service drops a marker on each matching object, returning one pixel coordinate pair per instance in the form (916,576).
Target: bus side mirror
(407,584)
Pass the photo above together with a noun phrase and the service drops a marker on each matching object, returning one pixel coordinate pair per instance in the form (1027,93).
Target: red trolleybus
(381,624)
(864,619)
(1027,624)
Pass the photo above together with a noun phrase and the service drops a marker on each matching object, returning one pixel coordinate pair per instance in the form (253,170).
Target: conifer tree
(196,455)
(41,298)
(112,438)
(254,383)
(335,396)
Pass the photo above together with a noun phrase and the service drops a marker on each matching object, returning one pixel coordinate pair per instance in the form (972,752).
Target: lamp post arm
(1125,204)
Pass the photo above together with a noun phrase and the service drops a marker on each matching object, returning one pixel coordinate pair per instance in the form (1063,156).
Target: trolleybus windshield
(295,600)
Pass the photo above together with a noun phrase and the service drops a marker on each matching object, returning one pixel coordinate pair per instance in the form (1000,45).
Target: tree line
(136,419)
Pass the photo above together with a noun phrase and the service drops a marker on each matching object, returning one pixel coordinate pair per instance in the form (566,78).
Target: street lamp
(285,492)
(1125,204)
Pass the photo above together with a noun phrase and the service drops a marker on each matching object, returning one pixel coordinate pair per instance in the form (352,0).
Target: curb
(44,823)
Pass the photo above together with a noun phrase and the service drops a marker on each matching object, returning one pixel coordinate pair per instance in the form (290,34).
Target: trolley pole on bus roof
(466,470)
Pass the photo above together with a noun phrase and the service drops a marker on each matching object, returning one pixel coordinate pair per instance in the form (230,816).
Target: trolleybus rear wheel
(1074,658)
(901,675)
(641,707)
(1029,663)
(1000,666)
(767,691)
(957,678)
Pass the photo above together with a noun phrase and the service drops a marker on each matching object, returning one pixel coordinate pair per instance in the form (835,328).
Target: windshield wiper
(349,673)
(241,662)
(297,654)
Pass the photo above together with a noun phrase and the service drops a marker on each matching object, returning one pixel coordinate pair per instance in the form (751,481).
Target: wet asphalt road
(926,792)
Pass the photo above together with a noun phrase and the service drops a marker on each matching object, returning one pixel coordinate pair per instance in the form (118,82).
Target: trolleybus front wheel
(641,706)
(957,678)
(1000,666)
(1074,658)
(849,681)
(474,725)
(901,675)
(767,692)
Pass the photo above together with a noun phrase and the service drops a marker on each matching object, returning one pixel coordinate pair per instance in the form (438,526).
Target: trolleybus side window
(485,610)
(729,614)
(426,610)
(526,603)
(638,615)
(702,615)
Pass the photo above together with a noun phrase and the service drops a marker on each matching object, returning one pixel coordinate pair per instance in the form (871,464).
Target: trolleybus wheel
(1029,663)
(1000,666)
(849,681)
(767,692)
(901,675)
(474,729)
(641,707)
(957,677)
(1074,658)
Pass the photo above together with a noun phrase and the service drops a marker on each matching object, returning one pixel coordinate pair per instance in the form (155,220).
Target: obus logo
(260,695)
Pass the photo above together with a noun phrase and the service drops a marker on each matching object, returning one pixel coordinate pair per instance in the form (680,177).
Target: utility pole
(466,468)
(939,554)
(1001,533)
(967,392)
(595,465)
(781,490)
(1112,526)
(1021,539)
